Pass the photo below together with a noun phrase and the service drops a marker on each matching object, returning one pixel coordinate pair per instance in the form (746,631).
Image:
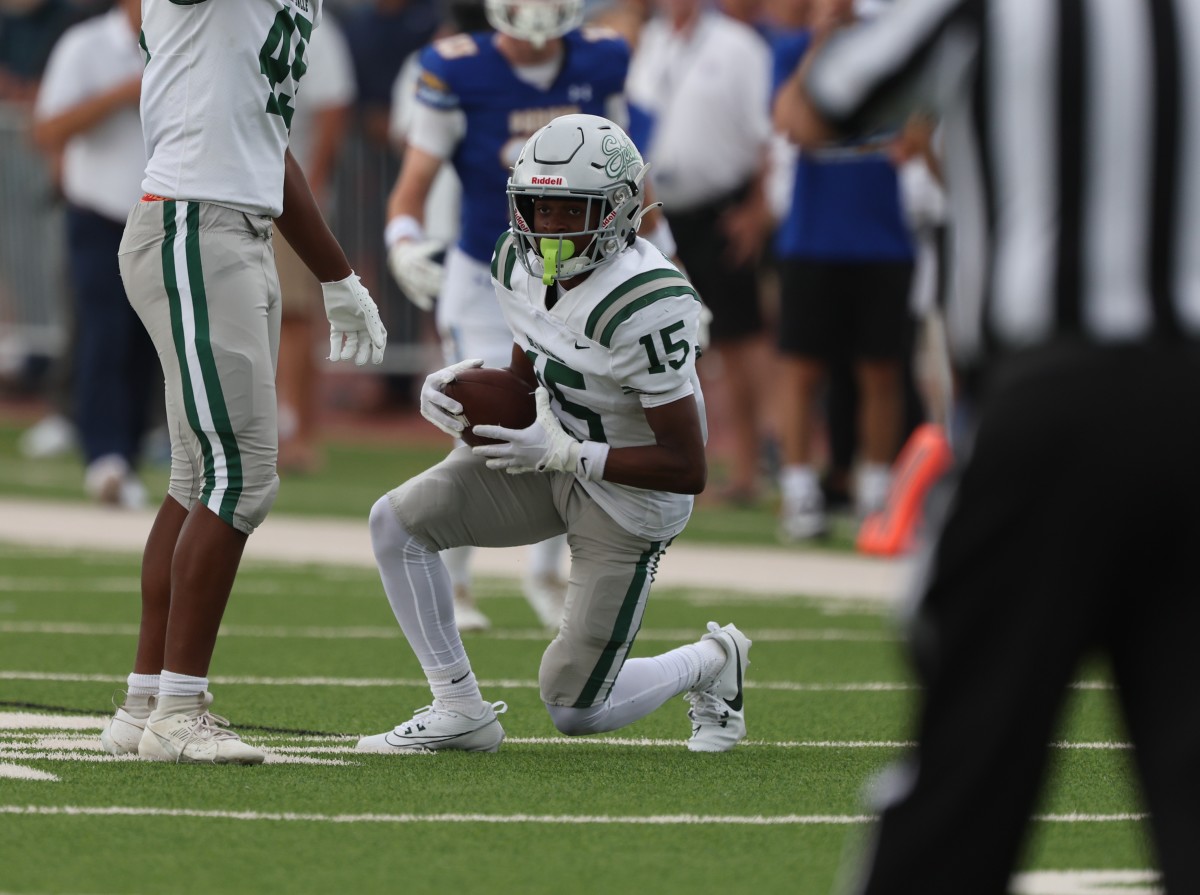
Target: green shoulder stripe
(504,258)
(628,292)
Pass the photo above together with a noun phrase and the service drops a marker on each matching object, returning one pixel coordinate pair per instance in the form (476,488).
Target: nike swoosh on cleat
(736,702)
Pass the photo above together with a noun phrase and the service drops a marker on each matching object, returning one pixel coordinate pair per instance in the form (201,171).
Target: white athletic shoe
(103,478)
(466,614)
(718,717)
(123,731)
(547,595)
(803,520)
(433,728)
(181,729)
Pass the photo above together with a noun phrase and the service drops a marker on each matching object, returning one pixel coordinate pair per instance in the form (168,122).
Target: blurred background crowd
(821,270)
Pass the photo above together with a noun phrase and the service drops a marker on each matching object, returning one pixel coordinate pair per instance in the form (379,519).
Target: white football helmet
(536,21)
(583,157)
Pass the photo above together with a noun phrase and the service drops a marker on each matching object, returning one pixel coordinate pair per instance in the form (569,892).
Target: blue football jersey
(466,72)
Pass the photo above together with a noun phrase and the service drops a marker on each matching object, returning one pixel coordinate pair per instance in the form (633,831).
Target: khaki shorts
(299,289)
(460,501)
(202,279)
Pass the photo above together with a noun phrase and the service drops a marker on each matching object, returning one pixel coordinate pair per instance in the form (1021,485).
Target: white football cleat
(547,596)
(433,728)
(181,729)
(466,614)
(717,714)
(123,731)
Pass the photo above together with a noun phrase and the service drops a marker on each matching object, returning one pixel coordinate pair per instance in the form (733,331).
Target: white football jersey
(218,95)
(623,340)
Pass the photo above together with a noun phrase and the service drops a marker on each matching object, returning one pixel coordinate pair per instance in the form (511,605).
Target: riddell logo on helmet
(536,180)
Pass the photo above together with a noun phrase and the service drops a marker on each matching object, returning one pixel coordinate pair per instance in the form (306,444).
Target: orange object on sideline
(922,462)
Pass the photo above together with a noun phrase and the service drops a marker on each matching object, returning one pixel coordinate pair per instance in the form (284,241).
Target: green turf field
(310,657)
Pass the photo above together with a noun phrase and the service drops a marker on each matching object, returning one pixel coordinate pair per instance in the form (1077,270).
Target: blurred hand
(415,271)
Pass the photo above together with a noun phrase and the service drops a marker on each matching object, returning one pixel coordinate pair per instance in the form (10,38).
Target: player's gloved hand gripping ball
(542,447)
(439,408)
(355,330)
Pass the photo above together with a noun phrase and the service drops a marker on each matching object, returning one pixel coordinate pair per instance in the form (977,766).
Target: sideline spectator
(86,110)
(845,259)
(699,92)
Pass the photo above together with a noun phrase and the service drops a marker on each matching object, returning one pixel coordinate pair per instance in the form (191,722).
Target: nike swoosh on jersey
(581,347)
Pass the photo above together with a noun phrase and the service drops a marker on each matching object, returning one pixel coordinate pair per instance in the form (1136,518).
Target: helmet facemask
(535,21)
(586,159)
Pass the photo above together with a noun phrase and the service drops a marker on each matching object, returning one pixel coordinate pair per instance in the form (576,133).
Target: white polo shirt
(103,166)
(708,93)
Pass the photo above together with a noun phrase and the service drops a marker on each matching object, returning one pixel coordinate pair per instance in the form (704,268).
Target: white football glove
(438,407)
(412,266)
(355,330)
(542,447)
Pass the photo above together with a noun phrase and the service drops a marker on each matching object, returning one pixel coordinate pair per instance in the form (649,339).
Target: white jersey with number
(621,341)
(218,95)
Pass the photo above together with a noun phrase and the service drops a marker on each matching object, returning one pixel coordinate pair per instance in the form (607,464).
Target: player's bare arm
(408,196)
(675,462)
(522,366)
(304,227)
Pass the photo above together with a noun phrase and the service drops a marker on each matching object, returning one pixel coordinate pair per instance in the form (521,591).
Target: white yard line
(305,540)
(758,820)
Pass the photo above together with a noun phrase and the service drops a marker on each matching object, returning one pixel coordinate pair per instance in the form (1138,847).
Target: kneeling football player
(605,330)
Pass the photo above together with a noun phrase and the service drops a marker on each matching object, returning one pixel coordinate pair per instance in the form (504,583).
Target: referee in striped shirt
(1072,160)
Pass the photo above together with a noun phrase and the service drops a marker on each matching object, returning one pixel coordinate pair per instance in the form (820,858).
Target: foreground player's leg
(419,591)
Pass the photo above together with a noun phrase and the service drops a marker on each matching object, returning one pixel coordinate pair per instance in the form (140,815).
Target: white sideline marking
(272,757)
(286,744)
(19,772)
(793,635)
(497,683)
(756,820)
(1087,882)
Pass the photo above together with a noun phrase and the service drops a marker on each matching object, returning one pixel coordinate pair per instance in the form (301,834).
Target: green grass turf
(67,634)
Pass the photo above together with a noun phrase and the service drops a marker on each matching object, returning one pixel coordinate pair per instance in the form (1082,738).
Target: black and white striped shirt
(1072,155)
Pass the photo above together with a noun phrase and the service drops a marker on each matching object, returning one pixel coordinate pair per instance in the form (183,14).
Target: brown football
(492,396)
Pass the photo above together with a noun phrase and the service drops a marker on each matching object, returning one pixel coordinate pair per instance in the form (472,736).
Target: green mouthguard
(550,249)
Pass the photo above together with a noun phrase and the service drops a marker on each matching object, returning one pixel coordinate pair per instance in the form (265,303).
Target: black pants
(1074,526)
(116,371)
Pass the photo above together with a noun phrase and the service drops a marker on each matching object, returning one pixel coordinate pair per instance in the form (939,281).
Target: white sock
(456,689)
(143,685)
(874,480)
(545,557)
(641,687)
(172,684)
(798,483)
(418,589)
(457,561)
